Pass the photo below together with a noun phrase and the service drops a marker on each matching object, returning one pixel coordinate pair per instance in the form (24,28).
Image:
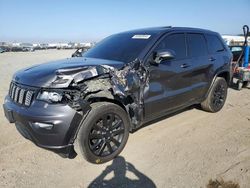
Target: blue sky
(79,20)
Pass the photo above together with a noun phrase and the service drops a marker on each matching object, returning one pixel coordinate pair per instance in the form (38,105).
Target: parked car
(16,49)
(27,47)
(2,50)
(237,51)
(125,81)
(79,52)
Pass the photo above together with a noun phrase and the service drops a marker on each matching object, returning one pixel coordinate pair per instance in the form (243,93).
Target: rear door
(202,65)
(217,52)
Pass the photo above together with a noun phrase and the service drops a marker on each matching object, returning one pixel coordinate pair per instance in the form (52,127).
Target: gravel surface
(186,149)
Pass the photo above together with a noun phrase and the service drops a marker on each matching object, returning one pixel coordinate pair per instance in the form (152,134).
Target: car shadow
(119,168)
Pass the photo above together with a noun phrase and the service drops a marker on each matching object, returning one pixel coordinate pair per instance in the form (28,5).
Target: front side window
(196,45)
(175,42)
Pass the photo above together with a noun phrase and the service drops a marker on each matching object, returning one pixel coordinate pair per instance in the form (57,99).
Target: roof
(164,29)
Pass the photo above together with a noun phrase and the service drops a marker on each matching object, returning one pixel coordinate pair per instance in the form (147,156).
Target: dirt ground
(186,149)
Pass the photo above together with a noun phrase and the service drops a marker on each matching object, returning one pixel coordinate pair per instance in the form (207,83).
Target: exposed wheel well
(104,99)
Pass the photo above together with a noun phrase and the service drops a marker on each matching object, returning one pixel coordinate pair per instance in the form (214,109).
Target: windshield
(124,47)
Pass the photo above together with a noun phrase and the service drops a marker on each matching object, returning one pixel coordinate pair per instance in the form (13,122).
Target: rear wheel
(104,132)
(216,97)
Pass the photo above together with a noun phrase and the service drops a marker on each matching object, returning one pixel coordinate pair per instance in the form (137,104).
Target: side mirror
(163,55)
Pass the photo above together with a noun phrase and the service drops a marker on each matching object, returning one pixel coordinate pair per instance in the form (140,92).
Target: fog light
(43,125)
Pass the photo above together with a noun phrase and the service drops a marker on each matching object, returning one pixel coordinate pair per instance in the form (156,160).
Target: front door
(170,81)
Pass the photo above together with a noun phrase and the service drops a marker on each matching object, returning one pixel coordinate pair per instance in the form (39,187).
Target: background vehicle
(126,80)
(27,47)
(241,68)
(2,50)
(79,52)
(236,51)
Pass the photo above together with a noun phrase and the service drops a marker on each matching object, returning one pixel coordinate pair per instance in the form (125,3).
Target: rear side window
(175,42)
(196,45)
(214,44)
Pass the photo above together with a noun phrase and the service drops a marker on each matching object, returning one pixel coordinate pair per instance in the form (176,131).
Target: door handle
(185,65)
(212,59)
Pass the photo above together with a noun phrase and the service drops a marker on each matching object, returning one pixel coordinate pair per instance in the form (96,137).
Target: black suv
(126,80)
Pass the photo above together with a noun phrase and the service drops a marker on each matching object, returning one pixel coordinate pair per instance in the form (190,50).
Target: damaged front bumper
(54,126)
(50,126)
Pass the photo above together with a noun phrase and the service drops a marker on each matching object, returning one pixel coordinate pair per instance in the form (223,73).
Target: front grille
(20,94)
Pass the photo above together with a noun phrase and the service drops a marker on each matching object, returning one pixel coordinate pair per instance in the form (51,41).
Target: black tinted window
(214,44)
(175,42)
(196,45)
(123,47)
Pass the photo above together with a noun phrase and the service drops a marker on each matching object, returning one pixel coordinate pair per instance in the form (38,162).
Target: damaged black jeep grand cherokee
(126,80)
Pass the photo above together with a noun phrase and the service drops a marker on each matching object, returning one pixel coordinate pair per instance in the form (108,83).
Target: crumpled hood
(60,74)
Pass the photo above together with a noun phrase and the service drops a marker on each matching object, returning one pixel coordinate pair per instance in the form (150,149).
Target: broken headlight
(50,96)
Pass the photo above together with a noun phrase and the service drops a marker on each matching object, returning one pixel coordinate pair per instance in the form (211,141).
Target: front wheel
(104,132)
(216,97)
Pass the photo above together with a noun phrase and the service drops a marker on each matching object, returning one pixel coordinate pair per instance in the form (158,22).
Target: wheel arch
(110,100)
(114,100)
(222,74)
(225,75)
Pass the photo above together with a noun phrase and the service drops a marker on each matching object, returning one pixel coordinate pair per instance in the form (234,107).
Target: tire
(245,84)
(104,132)
(216,97)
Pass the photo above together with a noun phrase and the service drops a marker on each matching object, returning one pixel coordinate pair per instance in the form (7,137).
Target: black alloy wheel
(216,97)
(219,96)
(104,132)
(106,135)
